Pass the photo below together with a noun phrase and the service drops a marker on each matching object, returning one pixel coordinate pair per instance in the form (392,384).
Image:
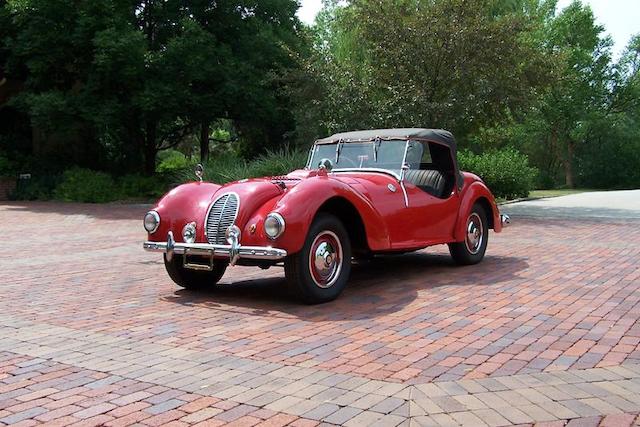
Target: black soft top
(436,135)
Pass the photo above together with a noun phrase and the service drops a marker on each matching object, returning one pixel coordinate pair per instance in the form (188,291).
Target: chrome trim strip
(370,170)
(403,172)
(206,249)
(404,192)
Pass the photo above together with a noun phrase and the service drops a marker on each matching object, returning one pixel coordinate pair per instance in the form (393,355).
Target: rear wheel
(320,271)
(472,249)
(193,279)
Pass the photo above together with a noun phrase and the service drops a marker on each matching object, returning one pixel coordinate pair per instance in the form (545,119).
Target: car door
(430,215)
(432,218)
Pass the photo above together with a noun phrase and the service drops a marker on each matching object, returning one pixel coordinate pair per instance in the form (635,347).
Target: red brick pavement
(34,392)
(551,295)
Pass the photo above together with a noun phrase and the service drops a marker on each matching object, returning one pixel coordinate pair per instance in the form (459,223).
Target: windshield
(362,155)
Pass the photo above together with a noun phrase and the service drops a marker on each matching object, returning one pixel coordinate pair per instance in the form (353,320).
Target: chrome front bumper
(233,251)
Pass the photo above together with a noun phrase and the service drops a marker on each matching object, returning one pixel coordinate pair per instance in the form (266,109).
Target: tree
(453,64)
(577,98)
(130,77)
(610,158)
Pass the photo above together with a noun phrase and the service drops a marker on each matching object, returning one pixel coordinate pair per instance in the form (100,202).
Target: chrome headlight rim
(279,219)
(189,232)
(156,221)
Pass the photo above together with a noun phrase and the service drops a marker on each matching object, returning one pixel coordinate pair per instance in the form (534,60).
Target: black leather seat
(432,181)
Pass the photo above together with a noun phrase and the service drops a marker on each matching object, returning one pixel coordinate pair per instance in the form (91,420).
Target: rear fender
(476,192)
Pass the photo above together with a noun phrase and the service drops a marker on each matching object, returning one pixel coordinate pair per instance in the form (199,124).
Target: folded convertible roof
(436,135)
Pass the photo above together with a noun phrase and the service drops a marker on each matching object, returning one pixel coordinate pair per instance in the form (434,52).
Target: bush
(279,162)
(506,172)
(141,187)
(171,160)
(38,187)
(84,185)
(6,168)
(229,167)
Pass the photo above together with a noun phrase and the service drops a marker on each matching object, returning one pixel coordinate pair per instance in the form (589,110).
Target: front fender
(299,206)
(475,192)
(183,204)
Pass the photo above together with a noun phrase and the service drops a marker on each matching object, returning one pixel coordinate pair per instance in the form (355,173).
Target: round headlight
(274,225)
(189,233)
(151,221)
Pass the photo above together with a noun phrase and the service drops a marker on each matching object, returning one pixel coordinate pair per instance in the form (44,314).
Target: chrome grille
(222,214)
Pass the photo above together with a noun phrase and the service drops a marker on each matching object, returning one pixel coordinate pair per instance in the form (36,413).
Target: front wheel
(472,249)
(320,271)
(193,279)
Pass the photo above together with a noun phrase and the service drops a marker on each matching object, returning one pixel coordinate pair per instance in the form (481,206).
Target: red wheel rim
(325,259)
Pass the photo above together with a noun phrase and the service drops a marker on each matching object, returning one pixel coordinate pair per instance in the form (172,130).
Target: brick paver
(92,330)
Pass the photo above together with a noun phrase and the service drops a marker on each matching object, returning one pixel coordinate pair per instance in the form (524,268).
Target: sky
(621,18)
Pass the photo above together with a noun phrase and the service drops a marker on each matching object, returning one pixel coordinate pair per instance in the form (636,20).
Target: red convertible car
(362,193)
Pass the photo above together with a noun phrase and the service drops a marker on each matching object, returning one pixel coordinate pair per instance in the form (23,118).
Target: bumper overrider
(233,251)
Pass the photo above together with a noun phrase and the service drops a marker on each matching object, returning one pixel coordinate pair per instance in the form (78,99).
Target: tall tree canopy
(107,84)
(453,63)
(136,76)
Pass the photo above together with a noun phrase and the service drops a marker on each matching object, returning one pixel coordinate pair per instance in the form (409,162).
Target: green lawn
(538,194)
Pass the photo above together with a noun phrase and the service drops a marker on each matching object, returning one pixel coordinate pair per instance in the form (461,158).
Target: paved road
(619,205)
(93,332)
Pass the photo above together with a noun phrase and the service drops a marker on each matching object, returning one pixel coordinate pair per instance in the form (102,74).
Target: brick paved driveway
(92,331)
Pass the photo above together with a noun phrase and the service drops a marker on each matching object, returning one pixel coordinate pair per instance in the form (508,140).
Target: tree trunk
(150,149)
(568,166)
(204,142)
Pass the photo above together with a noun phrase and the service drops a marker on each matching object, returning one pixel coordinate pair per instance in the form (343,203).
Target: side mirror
(325,164)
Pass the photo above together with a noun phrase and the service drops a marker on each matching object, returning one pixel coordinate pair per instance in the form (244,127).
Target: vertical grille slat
(222,214)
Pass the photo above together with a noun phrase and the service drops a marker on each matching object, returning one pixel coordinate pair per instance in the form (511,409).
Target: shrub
(506,172)
(6,168)
(38,187)
(279,162)
(171,160)
(84,185)
(141,187)
(229,167)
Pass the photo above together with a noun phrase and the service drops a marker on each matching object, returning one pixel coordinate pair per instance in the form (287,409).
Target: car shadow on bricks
(377,287)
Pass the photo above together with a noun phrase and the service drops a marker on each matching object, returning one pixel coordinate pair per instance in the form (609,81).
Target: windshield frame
(376,142)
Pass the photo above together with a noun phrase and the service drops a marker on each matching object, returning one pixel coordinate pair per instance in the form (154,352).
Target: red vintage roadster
(362,193)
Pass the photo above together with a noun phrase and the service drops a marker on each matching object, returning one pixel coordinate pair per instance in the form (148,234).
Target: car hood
(254,193)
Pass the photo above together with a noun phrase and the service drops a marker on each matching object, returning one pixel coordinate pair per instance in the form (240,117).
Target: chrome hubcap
(325,259)
(475,233)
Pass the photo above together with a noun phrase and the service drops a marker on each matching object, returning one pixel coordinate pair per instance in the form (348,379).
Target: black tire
(193,280)
(470,251)
(331,241)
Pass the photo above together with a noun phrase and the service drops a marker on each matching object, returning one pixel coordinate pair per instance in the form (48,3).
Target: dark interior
(436,174)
